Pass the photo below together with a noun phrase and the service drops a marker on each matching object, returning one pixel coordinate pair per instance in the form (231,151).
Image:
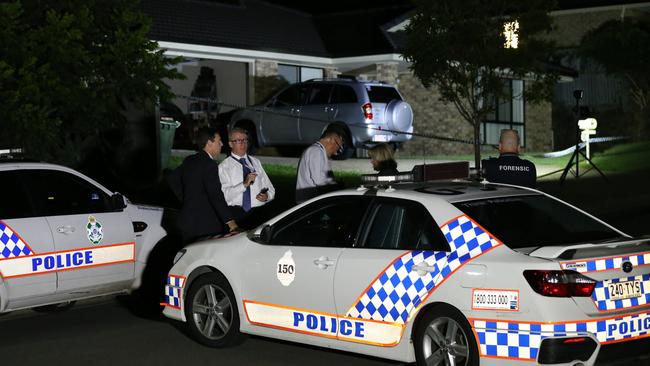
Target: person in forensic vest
(509,168)
(244,183)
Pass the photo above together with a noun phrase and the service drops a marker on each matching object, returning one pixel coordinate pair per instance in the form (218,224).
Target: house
(247,49)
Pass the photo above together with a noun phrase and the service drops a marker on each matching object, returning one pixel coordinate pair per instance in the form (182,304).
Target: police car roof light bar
(422,173)
(441,171)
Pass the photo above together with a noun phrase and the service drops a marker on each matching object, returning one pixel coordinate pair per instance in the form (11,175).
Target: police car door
(94,246)
(289,280)
(22,237)
(374,286)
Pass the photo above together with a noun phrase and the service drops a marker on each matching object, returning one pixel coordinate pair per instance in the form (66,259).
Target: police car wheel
(211,311)
(444,337)
(55,308)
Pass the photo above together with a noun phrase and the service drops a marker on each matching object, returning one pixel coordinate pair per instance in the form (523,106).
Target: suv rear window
(382,94)
(535,221)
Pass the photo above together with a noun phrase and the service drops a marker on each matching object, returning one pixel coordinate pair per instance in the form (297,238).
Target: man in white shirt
(244,182)
(314,171)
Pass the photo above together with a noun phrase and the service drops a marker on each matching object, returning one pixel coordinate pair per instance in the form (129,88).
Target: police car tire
(230,313)
(441,316)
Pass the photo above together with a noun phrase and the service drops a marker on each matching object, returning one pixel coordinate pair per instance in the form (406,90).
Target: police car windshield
(526,221)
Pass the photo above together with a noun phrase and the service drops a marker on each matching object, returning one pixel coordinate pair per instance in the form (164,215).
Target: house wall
(432,117)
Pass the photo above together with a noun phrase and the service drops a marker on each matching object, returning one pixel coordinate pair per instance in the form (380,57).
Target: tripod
(577,94)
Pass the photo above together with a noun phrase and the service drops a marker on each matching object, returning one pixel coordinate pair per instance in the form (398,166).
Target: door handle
(423,268)
(324,262)
(65,229)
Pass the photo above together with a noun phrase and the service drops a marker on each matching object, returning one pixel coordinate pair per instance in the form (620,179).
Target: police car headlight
(179,255)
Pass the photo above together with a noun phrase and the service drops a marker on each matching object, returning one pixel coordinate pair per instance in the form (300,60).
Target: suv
(64,237)
(369,112)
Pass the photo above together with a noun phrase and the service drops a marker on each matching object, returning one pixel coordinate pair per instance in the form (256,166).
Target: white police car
(445,273)
(64,237)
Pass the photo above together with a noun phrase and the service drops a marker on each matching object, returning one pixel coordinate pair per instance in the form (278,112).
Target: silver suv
(368,111)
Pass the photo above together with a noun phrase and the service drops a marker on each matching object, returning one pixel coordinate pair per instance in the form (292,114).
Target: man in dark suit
(196,182)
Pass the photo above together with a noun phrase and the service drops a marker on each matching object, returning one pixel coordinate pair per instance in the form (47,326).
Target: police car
(438,273)
(64,237)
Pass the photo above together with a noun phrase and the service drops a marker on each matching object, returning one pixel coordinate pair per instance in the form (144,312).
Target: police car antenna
(577,94)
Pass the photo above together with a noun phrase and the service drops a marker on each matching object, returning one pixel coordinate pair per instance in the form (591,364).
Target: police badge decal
(94,229)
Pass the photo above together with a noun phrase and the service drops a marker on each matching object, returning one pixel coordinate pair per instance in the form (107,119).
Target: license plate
(624,290)
(381,138)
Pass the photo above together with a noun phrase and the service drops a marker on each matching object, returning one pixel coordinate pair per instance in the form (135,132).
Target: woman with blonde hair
(382,159)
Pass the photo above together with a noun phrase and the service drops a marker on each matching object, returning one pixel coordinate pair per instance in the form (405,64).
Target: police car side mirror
(117,202)
(265,234)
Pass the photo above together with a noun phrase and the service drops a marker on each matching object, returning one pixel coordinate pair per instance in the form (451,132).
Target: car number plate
(381,138)
(624,290)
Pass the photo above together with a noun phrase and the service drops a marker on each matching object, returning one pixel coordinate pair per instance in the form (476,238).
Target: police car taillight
(367,111)
(560,283)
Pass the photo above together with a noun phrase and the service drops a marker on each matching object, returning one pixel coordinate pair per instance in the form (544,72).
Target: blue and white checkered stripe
(601,294)
(11,245)
(606,264)
(174,290)
(522,340)
(397,291)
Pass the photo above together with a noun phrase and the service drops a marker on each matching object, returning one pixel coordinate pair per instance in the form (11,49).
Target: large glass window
(59,193)
(15,202)
(535,221)
(508,113)
(330,222)
(293,74)
(402,224)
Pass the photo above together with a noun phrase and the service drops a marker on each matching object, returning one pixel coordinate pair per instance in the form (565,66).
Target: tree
(622,47)
(458,47)
(68,69)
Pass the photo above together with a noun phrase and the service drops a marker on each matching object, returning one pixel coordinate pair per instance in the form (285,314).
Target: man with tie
(244,182)
(204,212)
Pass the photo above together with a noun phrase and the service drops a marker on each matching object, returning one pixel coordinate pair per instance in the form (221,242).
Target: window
(294,74)
(344,94)
(15,202)
(535,221)
(508,113)
(405,225)
(319,94)
(58,193)
(330,222)
(293,95)
(382,94)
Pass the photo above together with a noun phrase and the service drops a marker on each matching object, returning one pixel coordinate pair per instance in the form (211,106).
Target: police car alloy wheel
(211,310)
(443,337)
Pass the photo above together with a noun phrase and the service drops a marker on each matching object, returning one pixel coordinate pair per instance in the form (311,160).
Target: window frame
(511,123)
(299,214)
(298,72)
(41,210)
(371,213)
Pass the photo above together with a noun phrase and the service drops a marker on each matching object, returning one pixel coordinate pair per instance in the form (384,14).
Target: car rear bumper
(526,341)
(371,134)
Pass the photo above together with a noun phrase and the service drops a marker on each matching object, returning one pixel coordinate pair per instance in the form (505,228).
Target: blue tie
(246,199)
